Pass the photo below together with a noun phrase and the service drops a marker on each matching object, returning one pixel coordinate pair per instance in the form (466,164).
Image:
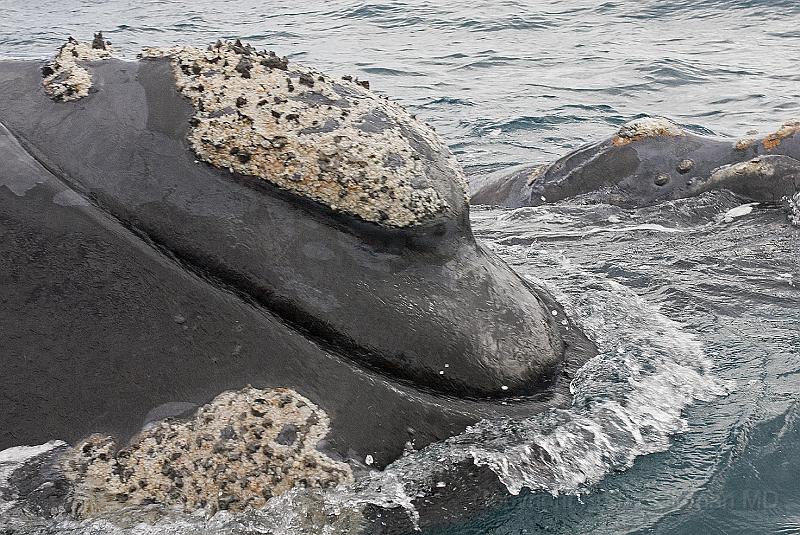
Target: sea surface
(688,422)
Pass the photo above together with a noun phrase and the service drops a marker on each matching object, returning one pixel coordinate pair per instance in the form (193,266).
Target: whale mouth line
(332,341)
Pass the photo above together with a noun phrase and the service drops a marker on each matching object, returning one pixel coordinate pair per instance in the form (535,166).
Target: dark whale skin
(406,302)
(136,291)
(647,171)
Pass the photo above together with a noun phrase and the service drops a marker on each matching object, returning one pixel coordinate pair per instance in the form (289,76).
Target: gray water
(687,421)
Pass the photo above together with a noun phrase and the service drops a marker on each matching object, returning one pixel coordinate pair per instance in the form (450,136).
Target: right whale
(220,227)
(652,160)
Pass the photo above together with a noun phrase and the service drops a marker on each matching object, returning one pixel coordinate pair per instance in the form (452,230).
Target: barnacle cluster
(64,78)
(330,140)
(787,129)
(646,127)
(235,453)
(756,167)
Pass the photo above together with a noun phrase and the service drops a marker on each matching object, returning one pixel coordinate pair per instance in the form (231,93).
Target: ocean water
(688,421)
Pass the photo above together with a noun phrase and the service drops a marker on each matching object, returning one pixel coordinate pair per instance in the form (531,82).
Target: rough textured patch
(744,143)
(684,166)
(646,127)
(661,179)
(64,79)
(757,167)
(787,129)
(333,141)
(794,206)
(537,173)
(235,453)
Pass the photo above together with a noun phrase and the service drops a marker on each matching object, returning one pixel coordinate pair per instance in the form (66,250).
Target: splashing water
(794,205)
(627,402)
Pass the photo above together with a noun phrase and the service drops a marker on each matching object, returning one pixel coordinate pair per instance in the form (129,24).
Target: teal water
(693,402)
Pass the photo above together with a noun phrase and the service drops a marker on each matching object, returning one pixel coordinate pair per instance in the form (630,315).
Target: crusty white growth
(333,141)
(64,78)
(234,453)
(536,173)
(757,167)
(744,143)
(646,127)
(787,129)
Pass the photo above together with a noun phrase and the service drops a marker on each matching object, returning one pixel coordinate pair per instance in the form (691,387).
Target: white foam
(739,211)
(13,458)
(627,403)
(634,228)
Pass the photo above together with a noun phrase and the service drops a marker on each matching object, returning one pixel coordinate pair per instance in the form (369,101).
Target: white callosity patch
(762,168)
(744,143)
(333,141)
(777,172)
(235,453)
(786,130)
(646,127)
(536,173)
(64,78)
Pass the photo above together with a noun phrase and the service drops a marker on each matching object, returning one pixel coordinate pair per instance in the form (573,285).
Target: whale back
(653,160)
